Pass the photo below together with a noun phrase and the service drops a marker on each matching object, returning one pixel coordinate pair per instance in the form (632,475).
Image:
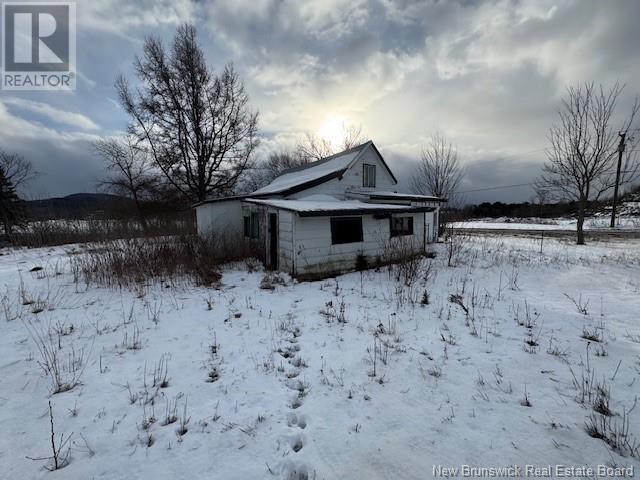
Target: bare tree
(17,169)
(265,171)
(131,170)
(438,172)
(278,162)
(352,136)
(309,148)
(540,198)
(313,147)
(198,126)
(11,206)
(582,157)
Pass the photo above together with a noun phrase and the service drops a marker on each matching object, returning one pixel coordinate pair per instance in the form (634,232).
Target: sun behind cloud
(333,128)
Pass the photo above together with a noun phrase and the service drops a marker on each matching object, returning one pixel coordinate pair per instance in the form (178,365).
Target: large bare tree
(17,169)
(439,172)
(582,157)
(198,126)
(131,171)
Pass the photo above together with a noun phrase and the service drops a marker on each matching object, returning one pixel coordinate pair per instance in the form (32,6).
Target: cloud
(56,115)
(490,75)
(124,16)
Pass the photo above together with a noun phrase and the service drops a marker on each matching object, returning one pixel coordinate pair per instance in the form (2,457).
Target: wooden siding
(315,255)
(225,216)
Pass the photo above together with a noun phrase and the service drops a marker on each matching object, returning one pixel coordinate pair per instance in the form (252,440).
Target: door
(273,241)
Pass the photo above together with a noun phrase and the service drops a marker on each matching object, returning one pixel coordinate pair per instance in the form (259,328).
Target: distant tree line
(522,210)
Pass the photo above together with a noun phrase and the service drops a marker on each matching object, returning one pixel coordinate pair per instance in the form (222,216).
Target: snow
(326,203)
(429,403)
(314,172)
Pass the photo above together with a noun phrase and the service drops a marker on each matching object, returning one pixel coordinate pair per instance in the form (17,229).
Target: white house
(319,219)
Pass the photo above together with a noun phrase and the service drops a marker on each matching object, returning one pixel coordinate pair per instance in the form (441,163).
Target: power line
(497,188)
(500,187)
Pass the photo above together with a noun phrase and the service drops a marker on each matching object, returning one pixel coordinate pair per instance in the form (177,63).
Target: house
(320,219)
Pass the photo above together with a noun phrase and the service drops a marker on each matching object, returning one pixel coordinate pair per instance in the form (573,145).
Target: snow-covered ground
(568,224)
(350,378)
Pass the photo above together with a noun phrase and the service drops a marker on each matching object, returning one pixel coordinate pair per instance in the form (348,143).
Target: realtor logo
(38,46)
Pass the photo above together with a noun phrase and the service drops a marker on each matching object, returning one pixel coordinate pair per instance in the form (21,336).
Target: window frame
(337,225)
(404,230)
(251,225)
(368,175)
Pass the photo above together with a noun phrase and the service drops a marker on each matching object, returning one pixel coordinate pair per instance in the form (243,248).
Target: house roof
(323,205)
(315,173)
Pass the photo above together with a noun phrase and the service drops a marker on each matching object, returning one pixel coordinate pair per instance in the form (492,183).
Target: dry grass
(41,233)
(124,263)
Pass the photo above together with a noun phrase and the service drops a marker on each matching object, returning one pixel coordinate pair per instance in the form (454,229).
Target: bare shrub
(581,306)
(525,402)
(404,255)
(615,431)
(61,450)
(132,340)
(161,372)
(457,247)
(592,333)
(184,421)
(124,263)
(171,412)
(11,306)
(65,373)
(334,312)
(555,350)
(601,401)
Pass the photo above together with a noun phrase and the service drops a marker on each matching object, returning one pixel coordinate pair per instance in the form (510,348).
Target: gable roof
(315,173)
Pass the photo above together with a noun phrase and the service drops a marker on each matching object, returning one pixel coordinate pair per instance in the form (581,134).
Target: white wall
(314,254)
(352,179)
(285,240)
(223,216)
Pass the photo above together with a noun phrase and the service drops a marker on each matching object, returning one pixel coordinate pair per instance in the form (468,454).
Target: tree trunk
(581,209)
(141,217)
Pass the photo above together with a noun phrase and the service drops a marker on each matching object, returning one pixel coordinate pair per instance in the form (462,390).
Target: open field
(595,225)
(542,234)
(507,356)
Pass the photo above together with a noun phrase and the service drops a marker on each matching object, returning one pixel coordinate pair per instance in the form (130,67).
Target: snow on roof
(313,171)
(318,203)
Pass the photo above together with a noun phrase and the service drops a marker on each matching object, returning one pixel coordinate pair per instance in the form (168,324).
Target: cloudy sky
(489,75)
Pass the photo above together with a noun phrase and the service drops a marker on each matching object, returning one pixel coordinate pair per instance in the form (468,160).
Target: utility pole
(615,188)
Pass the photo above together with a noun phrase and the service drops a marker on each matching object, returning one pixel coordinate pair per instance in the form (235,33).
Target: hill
(78,205)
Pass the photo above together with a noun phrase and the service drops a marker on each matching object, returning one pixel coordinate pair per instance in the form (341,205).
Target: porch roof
(322,207)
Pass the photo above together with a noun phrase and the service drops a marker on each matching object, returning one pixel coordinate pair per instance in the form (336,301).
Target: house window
(401,226)
(368,175)
(252,225)
(346,230)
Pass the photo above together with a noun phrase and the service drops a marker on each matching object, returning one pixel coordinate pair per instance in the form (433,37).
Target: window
(368,175)
(252,225)
(346,230)
(401,226)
